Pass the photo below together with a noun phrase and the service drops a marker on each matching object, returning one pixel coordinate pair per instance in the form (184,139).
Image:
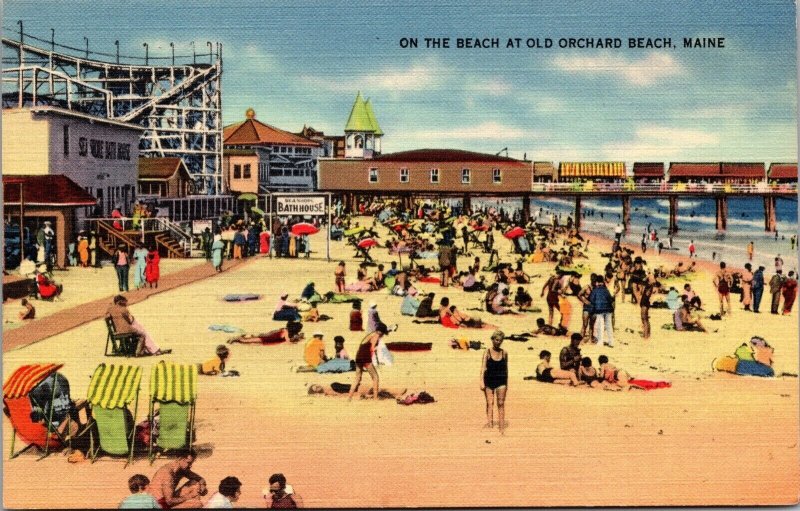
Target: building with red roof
(41,198)
(645,172)
(258,157)
(719,172)
(783,172)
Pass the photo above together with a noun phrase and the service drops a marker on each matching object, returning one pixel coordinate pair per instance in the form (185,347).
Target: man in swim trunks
(545,373)
(570,356)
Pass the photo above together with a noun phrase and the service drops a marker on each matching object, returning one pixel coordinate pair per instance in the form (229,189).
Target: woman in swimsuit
(494,380)
(723,281)
(613,378)
(364,360)
(588,374)
(551,287)
(546,373)
(339,276)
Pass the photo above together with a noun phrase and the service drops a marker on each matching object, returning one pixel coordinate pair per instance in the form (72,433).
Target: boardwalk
(80,314)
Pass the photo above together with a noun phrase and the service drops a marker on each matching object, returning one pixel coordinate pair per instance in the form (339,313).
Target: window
(66,140)
(237,172)
(496,176)
(359,142)
(434,175)
(246,173)
(465,177)
(404,175)
(373,175)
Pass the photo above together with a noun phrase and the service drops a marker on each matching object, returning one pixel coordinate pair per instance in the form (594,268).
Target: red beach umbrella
(514,233)
(367,243)
(482,227)
(304,228)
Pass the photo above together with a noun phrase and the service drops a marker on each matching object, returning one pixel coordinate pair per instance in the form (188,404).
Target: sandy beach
(710,439)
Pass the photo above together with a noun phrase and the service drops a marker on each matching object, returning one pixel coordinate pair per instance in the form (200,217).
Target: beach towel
(430,280)
(241,297)
(336,365)
(650,385)
(409,346)
(342,298)
(228,329)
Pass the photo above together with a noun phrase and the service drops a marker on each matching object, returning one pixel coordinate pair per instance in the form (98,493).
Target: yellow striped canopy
(114,386)
(171,382)
(24,379)
(354,231)
(592,169)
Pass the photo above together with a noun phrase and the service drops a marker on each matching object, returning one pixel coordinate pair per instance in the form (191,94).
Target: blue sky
(301,63)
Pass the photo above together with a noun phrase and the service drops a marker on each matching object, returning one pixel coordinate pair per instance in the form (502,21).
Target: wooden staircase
(109,238)
(167,243)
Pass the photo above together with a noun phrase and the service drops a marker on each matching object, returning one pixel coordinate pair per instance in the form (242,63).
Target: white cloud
(491,87)
(661,143)
(641,72)
(489,130)
(417,77)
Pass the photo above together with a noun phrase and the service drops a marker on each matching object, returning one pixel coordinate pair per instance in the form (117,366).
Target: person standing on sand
(152,271)
(339,275)
(692,249)
(217,249)
(494,381)
(778,263)
(747,286)
(775,285)
(364,360)
(121,262)
(757,287)
(140,256)
(789,291)
(723,282)
(750,249)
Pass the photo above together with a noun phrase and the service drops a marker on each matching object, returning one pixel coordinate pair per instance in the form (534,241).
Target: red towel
(431,280)
(650,385)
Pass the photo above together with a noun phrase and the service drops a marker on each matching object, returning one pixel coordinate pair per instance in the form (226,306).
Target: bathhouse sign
(307,205)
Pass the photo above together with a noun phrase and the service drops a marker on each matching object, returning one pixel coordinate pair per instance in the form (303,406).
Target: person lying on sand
(614,378)
(546,373)
(291,333)
(545,329)
(451,317)
(342,389)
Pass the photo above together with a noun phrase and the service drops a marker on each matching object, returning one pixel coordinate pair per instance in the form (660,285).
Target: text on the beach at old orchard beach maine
(566,43)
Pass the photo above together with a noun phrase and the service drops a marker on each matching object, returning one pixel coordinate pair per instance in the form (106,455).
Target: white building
(100,155)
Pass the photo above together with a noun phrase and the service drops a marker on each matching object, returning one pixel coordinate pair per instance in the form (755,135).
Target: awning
(114,386)
(26,378)
(592,169)
(173,382)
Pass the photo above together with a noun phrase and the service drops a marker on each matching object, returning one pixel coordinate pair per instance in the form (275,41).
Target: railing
(761,188)
(194,207)
(127,230)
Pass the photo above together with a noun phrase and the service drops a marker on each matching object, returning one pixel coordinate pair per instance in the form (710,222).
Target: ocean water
(696,221)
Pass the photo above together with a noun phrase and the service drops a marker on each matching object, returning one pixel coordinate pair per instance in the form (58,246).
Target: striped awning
(26,378)
(592,169)
(114,386)
(173,382)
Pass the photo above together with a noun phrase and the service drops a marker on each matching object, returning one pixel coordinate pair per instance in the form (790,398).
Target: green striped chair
(111,390)
(173,395)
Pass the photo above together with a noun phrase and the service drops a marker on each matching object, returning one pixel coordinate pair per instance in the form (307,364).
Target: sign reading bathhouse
(306,205)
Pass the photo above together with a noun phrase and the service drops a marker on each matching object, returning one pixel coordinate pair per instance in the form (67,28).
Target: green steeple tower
(374,122)
(359,119)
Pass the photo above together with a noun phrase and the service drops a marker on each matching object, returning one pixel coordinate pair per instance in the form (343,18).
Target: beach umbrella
(367,243)
(482,228)
(514,233)
(248,197)
(302,228)
(257,211)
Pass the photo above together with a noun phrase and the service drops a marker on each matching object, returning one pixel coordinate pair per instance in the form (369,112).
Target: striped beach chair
(18,408)
(111,391)
(173,395)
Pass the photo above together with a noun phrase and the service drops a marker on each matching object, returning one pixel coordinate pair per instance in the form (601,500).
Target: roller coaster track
(179,105)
